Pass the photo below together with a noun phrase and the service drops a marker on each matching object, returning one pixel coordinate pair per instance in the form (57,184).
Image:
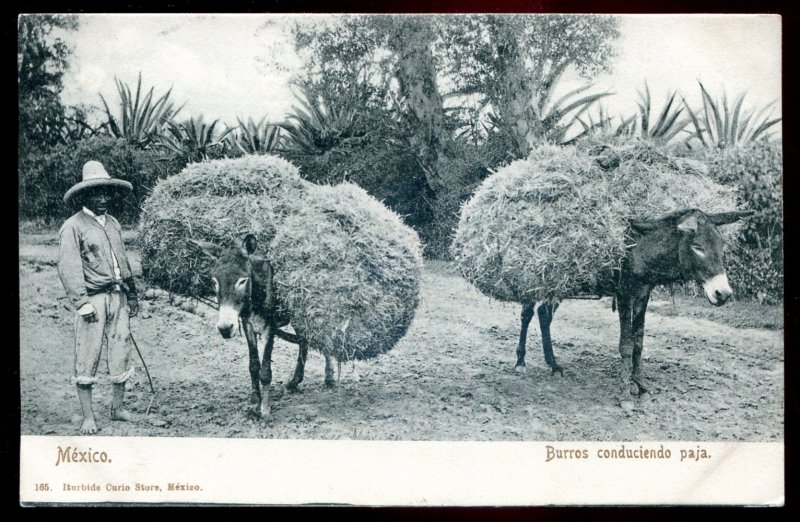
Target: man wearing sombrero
(96,275)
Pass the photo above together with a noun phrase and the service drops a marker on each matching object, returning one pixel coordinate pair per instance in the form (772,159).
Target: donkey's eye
(216,284)
(241,283)
(699,250)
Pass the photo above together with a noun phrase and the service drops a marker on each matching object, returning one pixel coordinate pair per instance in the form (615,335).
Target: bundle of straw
(346,268)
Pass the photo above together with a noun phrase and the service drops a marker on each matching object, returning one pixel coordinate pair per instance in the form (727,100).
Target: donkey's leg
(265,376)
(329,379)
(525,316)
(301,364)
(624,308)
(637,328)
(545,312)
(255,366)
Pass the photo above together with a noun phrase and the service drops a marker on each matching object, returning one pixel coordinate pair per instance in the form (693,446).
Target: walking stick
(146,371)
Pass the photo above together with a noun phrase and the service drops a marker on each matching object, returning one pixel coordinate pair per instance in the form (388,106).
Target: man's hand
(133,307)
(88,313)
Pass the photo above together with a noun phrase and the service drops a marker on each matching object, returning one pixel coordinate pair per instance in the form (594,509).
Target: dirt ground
(451,378)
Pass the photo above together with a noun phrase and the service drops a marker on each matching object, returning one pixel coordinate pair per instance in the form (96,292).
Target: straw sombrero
(95,175)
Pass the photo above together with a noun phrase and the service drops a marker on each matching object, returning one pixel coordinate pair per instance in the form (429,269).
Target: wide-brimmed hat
(95,175)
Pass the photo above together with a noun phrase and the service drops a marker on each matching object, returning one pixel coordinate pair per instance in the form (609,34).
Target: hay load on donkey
(216,201)
(332,261)
(594,219)
(348,271)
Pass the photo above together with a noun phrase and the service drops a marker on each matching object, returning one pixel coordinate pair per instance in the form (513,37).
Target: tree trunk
(513,94)
(411,39)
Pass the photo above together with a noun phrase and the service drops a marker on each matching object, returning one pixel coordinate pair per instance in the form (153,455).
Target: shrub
(388,173)
(45,177)
(756,170)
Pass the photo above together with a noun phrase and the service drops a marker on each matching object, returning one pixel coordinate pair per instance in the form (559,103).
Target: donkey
(680,246)
(245,291)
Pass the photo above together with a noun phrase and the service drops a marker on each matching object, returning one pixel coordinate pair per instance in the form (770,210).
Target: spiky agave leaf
(721,126)
(192,139)
(142,120)
(256,138)
(550,119)
(667,124)
(316,125)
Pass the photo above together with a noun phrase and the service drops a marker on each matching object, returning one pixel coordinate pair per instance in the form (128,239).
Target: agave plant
(193,139)
(77,124)
(602,125)
(317,125)
(142,120)
(720,126)
(552,122)
(556,119)
(666,126)
(255,138)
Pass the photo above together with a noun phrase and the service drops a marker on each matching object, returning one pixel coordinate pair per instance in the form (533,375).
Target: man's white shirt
(87,308)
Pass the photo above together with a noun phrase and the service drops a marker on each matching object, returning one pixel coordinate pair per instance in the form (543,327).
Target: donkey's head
(234,279)
(690,239)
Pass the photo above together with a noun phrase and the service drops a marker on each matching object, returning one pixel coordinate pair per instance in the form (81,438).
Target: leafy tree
(507,66)
(41,63)
(389,61)
(422,75)
(344,56)
(513,64)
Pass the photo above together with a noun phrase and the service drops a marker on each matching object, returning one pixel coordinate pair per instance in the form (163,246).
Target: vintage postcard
(401,260)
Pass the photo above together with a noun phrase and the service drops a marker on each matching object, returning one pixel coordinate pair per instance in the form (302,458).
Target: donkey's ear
(249,243)
(725,218)
(262,268)
(209,249)
(687,224)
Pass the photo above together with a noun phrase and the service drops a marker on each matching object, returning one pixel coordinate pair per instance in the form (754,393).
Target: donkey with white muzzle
(245,292)
(681,246)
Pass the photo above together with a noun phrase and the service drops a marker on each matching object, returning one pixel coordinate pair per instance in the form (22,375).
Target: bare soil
(714,377)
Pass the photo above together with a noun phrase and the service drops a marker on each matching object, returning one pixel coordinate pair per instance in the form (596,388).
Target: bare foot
(88,427)
(121,415)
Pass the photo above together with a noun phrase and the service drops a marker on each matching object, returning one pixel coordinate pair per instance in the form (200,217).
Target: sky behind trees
(226,66)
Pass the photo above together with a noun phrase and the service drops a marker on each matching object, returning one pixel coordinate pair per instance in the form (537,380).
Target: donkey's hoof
(330,383)
(265,410)
(520,368)
(557,370)
(255,398)
(645,396)
(291,387)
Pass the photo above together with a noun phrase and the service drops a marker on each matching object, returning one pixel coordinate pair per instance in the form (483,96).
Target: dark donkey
(681,246)
(245,291)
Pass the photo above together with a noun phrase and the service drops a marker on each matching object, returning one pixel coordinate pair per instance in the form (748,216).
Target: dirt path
(450,378)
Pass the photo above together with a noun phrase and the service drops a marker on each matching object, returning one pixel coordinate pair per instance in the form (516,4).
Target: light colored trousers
(113,324)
